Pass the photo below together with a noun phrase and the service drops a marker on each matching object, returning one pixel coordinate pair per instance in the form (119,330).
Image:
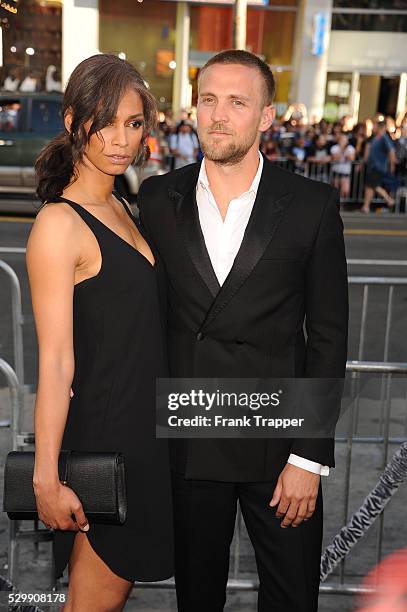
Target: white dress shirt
(223,240)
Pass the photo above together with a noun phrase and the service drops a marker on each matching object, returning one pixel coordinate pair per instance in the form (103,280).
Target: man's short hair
(245,58)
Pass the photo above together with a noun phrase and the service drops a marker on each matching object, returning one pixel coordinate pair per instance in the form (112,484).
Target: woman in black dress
(94,286)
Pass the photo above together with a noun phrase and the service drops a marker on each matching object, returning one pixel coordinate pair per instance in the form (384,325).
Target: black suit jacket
(290,268)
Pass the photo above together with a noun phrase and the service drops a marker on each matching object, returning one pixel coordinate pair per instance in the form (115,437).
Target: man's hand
(297,491)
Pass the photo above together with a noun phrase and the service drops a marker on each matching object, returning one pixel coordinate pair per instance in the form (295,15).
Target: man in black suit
(250,252)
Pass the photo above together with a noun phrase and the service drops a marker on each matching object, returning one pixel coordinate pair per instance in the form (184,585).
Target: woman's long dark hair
(93,93)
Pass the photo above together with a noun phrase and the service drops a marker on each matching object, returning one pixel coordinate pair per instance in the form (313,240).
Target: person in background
(401,149)
(184,145)
(369,127)
(380,157)
(166,123)
(154,163)
(335,133)
(342,154)
(347,123)
(309,136)
(317,158)
(286,139)
(298,154)
(358,140)
(390,126)
(323,127)
(318,150)
(270,149)
(9,116)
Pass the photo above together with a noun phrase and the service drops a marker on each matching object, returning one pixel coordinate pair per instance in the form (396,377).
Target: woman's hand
(56,504)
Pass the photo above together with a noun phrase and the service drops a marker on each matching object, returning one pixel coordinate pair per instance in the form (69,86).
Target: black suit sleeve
(326,317)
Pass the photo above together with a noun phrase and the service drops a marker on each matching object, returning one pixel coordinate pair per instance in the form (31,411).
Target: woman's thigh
(92,584)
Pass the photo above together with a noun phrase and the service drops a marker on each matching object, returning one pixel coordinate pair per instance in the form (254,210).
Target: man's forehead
(231,71)
(234,82)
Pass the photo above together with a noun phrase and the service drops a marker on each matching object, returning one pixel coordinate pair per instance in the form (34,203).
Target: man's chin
(216,157)
(227,160)
(223,156)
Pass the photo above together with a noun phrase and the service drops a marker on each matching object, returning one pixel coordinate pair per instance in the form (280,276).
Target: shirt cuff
(310,466)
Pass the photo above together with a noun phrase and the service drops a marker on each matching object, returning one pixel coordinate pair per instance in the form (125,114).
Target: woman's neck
(91,186)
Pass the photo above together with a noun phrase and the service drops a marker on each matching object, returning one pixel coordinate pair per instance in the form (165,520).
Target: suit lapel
(273,198)
(186,212)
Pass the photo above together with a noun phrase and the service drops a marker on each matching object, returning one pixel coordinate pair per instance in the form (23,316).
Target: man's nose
(219,113)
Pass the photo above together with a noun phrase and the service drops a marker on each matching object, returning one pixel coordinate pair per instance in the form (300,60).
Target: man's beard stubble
(229,154)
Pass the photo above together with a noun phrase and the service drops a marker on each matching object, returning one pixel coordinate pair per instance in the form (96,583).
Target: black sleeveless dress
(119,352)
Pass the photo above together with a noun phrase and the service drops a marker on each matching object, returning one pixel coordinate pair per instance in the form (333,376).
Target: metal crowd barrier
(323,171)
(367,282)
(19,439)
(383,437)
(16,534)
(16,412)
(17,322)
(357,367)
(16,318)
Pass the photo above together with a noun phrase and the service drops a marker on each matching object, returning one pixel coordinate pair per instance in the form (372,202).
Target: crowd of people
(370,155)
(340,152)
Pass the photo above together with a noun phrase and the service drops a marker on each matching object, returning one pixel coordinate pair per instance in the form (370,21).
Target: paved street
(377,237)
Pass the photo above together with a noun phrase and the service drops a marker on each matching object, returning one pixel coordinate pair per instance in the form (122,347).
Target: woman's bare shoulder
(53,212)
(58,216)
(55,226)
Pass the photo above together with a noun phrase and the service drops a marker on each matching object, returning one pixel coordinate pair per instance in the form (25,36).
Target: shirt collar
(203,178)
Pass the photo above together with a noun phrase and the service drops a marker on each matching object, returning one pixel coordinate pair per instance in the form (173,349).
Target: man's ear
(68,120)
(267,117)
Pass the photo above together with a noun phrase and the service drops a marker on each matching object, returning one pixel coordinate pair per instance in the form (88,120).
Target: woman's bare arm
(53,253)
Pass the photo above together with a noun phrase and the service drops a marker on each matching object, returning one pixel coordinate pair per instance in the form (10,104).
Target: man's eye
(237,102)
(207,100)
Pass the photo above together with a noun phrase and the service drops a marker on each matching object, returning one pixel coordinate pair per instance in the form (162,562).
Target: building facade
(31,55)
(336,56)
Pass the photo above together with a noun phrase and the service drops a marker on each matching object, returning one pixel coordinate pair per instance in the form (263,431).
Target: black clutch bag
(98,479)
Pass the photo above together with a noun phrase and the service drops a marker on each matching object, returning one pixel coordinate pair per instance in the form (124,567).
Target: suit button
(200,336)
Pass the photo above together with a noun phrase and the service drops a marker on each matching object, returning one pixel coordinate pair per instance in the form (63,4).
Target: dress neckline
(109,229)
